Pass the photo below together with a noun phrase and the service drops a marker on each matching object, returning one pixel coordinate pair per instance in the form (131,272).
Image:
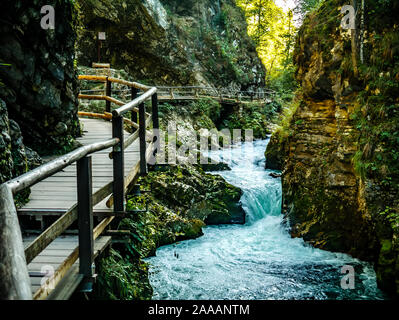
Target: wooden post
(143,143)
(135,92)
(85,216)
(155,124)
(155,116)
(118,164)
(98,50)
(15,282)
(108,93)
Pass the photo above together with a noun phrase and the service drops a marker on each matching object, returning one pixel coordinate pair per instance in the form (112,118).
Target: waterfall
(258,260)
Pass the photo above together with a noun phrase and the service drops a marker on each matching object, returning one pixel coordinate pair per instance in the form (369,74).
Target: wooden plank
(52,281)
(68,285)
(61,224)
(101,65)
(62,270)
(71,281)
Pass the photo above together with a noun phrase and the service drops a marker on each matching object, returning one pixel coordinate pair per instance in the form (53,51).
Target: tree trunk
(362,34)
(353,44)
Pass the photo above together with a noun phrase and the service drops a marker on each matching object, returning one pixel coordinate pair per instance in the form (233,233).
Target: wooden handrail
(133,104)
(115,80)
(101,97)
(15,283)
(46,170)
(101,65)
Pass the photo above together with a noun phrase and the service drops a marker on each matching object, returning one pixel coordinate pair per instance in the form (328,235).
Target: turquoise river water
(257,260)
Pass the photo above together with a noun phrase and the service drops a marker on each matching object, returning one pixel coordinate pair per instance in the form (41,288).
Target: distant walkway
(222,95)
(74,198)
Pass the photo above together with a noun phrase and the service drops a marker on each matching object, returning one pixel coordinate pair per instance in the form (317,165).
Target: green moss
(122,278)
(171,217)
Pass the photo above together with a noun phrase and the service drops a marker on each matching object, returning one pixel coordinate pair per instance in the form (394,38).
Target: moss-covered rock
(181,201)
(15,158)
(121,279)
(255,116)
(173,42)
(340,171)
(6,162)
(276,152)
(39,77)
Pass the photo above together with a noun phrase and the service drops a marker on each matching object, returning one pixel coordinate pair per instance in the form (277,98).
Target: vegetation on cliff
(340,142)
(173,42)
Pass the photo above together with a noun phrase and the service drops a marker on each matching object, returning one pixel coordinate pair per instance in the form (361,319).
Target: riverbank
(182,200)
(257,260)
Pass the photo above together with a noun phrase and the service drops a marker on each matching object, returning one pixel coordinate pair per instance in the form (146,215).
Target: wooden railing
(181,93)
(221,94)
(15,282)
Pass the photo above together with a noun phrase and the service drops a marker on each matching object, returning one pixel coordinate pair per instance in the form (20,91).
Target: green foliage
(208,107)
(273,31)
(391,216)
(377,114)
(305,6)
(122,278)
(285,125)
(96,106)
(255,116)
(284,82)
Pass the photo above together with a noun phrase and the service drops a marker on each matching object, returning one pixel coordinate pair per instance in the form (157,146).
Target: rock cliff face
(38,78)
(173,42)
(340,180)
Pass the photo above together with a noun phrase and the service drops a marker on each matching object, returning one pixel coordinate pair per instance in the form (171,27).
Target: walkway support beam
(134,92)
(15,283)
(118,164)
(155,124)
(142,137)
(108,92)
(85,216)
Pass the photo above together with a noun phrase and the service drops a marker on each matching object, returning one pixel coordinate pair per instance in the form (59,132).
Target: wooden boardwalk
(75,197)
(57,195)
(51,259)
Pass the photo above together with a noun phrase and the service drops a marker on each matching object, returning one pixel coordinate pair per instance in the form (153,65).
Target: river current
(257,260)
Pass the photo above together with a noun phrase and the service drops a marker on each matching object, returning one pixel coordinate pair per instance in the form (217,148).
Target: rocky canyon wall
(170,42)
(38,78)
(340,176)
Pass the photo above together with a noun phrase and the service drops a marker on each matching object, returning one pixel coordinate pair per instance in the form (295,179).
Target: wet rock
(6,162)
(13,157)
(220,166)
(41,80)
(275,175)
(275,153)
(160,38)
(327,200)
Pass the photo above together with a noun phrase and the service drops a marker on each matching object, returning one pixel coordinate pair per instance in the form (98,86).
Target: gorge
(277,218)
